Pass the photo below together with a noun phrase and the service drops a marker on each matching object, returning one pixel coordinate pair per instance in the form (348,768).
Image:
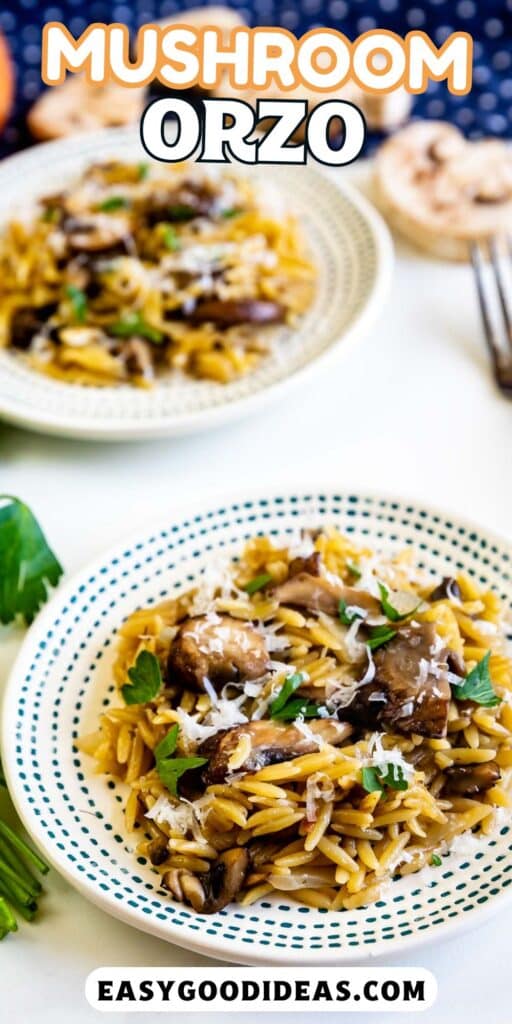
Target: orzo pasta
(311,719)
(137,270)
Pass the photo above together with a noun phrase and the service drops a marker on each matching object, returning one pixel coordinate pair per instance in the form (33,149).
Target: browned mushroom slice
(26,322)
(95,232)
(271,743)
(229,312)
(447,589)
(471,779)
(192,199)
(305,589)
(210,892)
(410,691)
(218,649)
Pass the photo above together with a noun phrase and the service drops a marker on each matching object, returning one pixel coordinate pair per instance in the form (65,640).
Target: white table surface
(412,411)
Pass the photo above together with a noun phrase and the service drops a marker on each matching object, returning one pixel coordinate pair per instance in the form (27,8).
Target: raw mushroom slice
(269,743)
(410,692)
(77,106)
(442,192)
(217,649)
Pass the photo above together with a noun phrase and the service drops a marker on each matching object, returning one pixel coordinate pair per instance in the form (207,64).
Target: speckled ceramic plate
(62,680)
(350,245)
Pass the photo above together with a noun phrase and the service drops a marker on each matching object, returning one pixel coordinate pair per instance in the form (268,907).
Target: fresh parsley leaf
(344,616)
(298,707)
(380,635)
(145,679)
(78,302)
(370,780)
(171,240)
(373,779)
(354,569)
(170,769)
(134,323)
(258,583)
(142,171)
(288,688)
(394,776)
(435,860)
(167,746)
(233,211)
(477,686)
(389,611)
(114,203)
(27,564)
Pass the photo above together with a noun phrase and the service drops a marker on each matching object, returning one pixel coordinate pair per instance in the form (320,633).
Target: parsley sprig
(380,635)
(145,679)
(169,768)
(477,686)
(28,566)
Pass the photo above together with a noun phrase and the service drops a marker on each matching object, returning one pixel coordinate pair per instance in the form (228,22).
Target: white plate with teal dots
(348,241)
(62,680)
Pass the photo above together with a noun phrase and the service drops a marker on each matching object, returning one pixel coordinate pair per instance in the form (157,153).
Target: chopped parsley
(258,583)
(348,618)
(170,238)
(170,769)
(78,300)
(134,323)
(354,569)
(114,203)
(435,860)
(286,708)
(181,212)
(145,679)
(380,635)
(477,686)
(142,171)
(375,779)
(233,211)
(389,611)
(27,564)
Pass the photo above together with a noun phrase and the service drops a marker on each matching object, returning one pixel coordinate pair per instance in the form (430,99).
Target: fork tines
(495,299)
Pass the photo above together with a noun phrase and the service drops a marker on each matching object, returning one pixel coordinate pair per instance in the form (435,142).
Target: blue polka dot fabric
(487,110)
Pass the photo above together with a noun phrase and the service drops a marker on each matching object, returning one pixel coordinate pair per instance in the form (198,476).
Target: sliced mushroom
(138,357)
(447,589)
(218,649)
(271,743)
(471,779)
(306,588)
(192,199)
(211,892)
(228,313)
(158,850)
(410,692)
(96,232)
(26,322)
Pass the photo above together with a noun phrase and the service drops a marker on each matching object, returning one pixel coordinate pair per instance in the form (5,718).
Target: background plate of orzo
(62,682)
(344,237)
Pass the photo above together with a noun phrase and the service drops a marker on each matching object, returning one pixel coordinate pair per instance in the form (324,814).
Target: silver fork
(501,353)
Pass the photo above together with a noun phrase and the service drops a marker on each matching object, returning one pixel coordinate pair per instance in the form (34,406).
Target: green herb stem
(26,851)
